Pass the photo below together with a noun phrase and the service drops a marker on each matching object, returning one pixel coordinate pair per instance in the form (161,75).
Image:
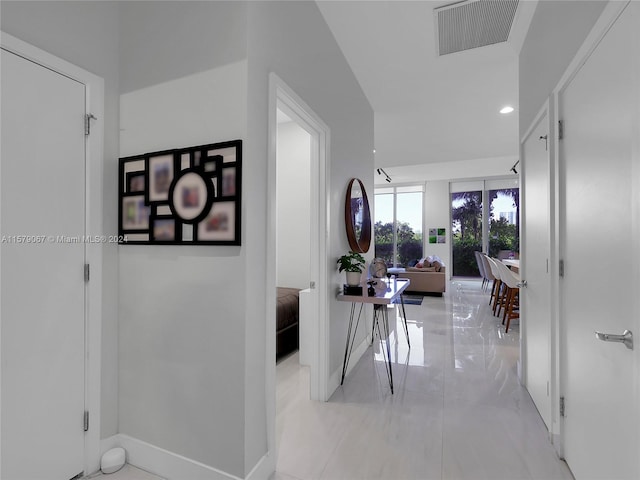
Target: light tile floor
(458,411)
(128,472)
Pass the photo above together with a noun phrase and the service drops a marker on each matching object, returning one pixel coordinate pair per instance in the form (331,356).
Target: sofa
(427,275)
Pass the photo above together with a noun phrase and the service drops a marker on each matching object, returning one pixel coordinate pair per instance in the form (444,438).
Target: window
(504,237)
(399,224)
(466,231)
(484,217)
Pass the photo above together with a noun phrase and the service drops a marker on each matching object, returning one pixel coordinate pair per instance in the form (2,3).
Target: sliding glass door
(504,237)
(485,218)
(466,230)
(399,224)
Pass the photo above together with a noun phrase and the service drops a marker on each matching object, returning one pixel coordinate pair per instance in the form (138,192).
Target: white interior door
(42,280)
(536,309)
(600,244)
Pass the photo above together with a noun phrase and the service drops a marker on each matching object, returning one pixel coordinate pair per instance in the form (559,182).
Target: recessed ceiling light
(506,109)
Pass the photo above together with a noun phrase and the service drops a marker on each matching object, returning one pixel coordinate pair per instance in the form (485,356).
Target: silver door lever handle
(626,338)
(522,284)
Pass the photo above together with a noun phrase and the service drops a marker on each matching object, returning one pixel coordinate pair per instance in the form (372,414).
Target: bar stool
(490,277)
(511,280)
(481,268)
(497,283)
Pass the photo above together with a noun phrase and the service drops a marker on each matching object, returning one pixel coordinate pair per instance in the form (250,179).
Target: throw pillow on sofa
(420,269)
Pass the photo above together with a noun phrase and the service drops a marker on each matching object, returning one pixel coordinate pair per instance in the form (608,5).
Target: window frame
(394,190)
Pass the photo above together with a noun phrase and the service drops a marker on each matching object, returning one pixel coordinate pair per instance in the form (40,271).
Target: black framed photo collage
(186,196)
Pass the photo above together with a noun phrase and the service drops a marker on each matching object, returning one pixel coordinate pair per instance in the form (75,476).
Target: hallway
(458,411)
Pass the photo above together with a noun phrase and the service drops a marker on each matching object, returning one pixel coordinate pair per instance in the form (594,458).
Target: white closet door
(536,298)
(601,239)
(42,280)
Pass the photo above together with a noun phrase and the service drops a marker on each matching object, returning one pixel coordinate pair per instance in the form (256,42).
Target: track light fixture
(513,169)
(382,172)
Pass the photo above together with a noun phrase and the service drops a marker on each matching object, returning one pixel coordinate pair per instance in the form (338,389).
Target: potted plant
(353,263)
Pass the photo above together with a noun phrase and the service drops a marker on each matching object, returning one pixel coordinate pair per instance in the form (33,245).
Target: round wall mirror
(357,217)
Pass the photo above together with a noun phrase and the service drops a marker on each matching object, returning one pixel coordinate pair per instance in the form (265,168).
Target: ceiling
(430,109)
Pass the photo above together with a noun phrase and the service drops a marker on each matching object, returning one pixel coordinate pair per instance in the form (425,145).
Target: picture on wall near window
(194,189)
(437,235)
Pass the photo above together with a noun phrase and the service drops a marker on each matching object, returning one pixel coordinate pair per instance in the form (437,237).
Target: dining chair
(488,274)
(512,307)
(481,268)
(497,284)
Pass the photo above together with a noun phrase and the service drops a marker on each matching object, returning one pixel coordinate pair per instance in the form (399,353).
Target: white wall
(557,30)
(167,40)
(474,168)
(85,34)
(191,329)
(437,207)
(293,40)
(182,308)
(183,68)
(294,205)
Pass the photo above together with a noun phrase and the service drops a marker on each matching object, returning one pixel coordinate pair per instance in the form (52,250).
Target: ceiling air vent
(473,23)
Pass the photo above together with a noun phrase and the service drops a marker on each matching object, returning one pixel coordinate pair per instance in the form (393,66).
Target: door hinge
(560,129)
(87,123)
(562,406)
(86,272)
(86,420)
(561,268)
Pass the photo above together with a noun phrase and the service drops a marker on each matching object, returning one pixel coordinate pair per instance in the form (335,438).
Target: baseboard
(557,445)
(172,466)
(356,354)
(264,468)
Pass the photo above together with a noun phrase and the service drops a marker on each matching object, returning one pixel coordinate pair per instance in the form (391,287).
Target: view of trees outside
(466,230)
(383,227)
(504,229)
(409,221)
(408,227)
(504,226)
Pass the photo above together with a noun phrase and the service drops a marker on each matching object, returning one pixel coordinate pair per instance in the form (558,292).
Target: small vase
(353,278)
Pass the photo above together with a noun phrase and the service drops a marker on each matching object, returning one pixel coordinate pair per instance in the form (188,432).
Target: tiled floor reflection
(458,411)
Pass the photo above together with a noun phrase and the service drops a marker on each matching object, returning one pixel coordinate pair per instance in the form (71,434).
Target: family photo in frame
(194,189)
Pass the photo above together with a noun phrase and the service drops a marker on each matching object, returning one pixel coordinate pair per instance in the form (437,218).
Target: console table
(391,293)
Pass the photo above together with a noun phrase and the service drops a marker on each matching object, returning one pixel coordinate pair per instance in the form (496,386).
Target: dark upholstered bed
(287,320)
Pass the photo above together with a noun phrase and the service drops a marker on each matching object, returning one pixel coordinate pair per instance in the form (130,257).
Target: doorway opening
(293,238)
(297,242)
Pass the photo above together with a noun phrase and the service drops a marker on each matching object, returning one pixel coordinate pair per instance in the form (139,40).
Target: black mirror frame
(362,244)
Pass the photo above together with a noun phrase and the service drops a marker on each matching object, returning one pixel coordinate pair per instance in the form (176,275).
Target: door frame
(282,97)
(94,104)
(606,20)
(552,228)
